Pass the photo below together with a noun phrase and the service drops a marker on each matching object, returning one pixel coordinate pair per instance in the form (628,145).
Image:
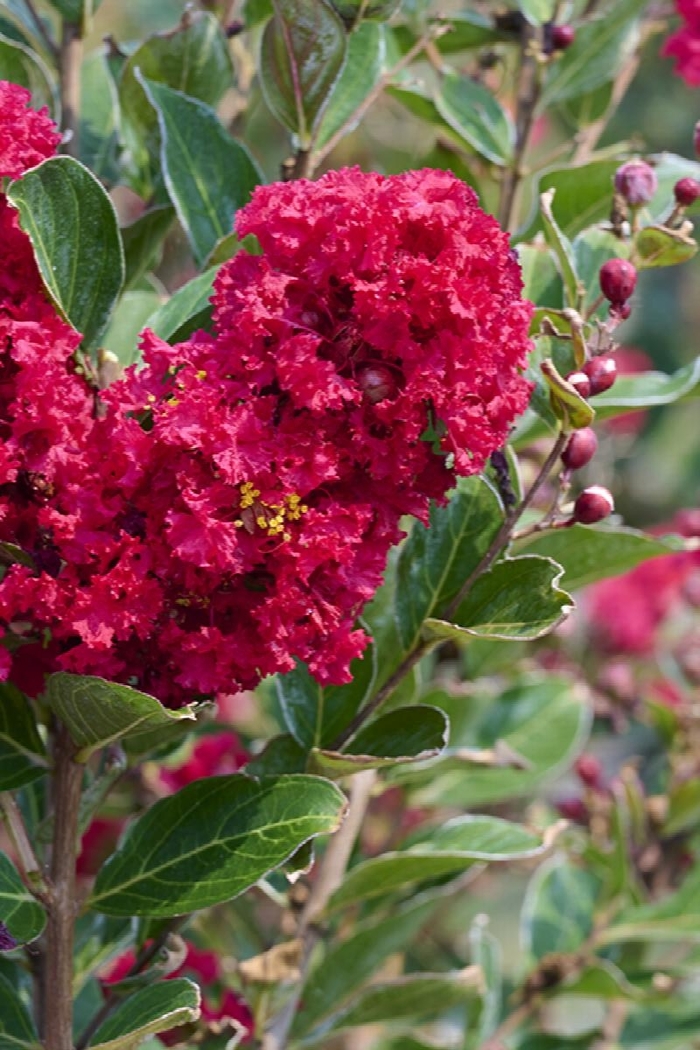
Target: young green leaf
(22,915)
(22,752)
(211,841)
(73,228)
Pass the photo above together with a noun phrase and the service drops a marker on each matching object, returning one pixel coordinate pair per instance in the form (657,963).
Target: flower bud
(601,372)
(621,310)
(593,505)
(636,182)
(589,770)
(686,192)
(581,383)
(562,37)
(618,279)
(377,383)
(580,448)
(573,809)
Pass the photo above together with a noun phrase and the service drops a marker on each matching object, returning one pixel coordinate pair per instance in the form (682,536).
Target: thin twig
(528,91)
(70,62)
(355,117)
(330,876)
(29,866)
(50,43)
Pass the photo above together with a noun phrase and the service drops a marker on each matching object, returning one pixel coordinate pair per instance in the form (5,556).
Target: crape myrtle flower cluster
(684,44)
(232,507)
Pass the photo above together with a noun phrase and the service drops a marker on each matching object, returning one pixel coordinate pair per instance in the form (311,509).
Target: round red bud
(686,192)
(593,505)
(601,372)
(589,770)
(636,182)
(581,383)
(618,279)
(377,383)
(562,37)
(580,448)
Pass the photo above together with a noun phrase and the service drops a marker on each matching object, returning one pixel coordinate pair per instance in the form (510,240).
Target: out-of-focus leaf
(17,1031)
(21,65)
(362,69)
(675,917)
(658,246)
(485,952)
(99,117)
(73,228)
(22,752)
(673,1027)
(583,196)
(475,114)
(209,175)
(20,913)
(593,552)
(592,248)
(187,310)
(537,12)
(143,241)
(128,321)
(301,56)
(559,907)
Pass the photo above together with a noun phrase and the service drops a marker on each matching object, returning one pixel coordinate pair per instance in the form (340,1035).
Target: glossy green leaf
(583,197)
(537,12)
(658,246)
(409,734)
(194,59)
(211,841)
(435,561)
(559,908)
(447,850)
(22,65)
(543,720)
(517,598)
(22,752)
(594,552)
(156,1008)
(676,917)
(187,310)
(16,1028)
(600,49)
(417,995)
(97,712)
(143,241)
(22,915)
(209,175)
(346,966)
(301,56)
(359,75)
(132,312)
(316,715)
(473,112)
(73,228)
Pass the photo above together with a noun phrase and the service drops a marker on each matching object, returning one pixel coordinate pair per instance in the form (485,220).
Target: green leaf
(541,280)
(281,755)
(21,65)
(72,225)
(648,389)
(70,10)
(485,952)
(537,12)
(675,917)
(674,1027)
(468,29)
(97,712)
(99,115)
(153,1009)
(601,48)
(669,168)
(435,561)
(448,850)
(362,69)
(16,1028)
(417,995)
(683,807)
(564,400)
(301,56)
(209,175)
(659,246)
(562,248)
(22,753)
(543,720)
(517,598)
(476,115)
(187,310)
(143,241)
(230,831)
(559,908)
(128,321)
(347,965)
(316,715)
(19,911)
(588,553)
(349,10)
(601,980)
(410,734)
(592,248)
(583,195)
(193,59)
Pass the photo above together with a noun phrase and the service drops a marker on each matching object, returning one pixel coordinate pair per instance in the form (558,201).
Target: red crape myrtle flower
(26,136)
(684,44)
(235,507)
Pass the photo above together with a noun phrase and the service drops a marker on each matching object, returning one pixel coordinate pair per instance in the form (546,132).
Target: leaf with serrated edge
(449,850)
(72,224)
(97,712)
(22,753)
(19,911)
(211,841)
(151,1010)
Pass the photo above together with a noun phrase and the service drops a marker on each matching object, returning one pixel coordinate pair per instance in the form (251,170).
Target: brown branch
(70,61)
(528,90)
(60,927)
